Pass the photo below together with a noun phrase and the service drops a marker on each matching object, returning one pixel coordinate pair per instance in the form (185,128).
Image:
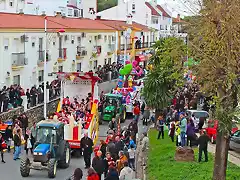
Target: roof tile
(165,14)
(154,12)
(119,25)
(22,21)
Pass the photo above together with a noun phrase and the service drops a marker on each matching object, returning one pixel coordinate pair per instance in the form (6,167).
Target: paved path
(10,170)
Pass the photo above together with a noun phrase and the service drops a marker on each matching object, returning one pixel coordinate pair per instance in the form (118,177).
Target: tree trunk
(221,156)
(157,113)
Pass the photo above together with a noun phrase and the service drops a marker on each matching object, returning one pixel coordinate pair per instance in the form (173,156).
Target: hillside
(105,4)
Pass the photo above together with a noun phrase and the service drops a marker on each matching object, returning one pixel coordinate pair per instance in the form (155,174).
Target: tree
(166,75)
(106,4)
(216,42)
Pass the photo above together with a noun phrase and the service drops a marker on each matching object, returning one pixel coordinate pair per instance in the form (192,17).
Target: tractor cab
(112,107)
(50,149)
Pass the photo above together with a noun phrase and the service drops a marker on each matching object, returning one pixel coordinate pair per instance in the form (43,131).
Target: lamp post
(45,74)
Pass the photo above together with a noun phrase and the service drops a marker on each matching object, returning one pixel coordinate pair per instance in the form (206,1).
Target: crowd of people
(108,71)
(181,125)
(114,158)
(11,97)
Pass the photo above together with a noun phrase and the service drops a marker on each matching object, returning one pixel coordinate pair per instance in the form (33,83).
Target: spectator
(112,149)
(126,172)
(183,129)
(112,174)
(160,126)
(8,137)
(98,164)
(103,148)
(120,162)
(203,145)
(92,175)
(144,148)
(131,159)
(17,144)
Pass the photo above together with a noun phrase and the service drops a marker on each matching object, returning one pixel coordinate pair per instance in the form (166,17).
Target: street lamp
(45,67)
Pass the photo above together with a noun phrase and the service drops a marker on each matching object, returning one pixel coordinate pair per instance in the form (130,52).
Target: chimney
(178,18)
(43,13)
(58,14)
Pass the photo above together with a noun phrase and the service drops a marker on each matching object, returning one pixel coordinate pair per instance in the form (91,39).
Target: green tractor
(113,107)
(50,149)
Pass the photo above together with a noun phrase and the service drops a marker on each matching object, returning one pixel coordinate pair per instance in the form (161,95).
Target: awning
(78,75)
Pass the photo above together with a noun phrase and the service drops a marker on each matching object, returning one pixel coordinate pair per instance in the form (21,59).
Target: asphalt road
(11,170)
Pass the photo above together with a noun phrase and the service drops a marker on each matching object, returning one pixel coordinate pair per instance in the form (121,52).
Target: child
(177,132)
(172,131)
(131,160)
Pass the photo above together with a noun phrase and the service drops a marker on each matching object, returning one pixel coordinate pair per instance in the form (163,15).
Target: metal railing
(122,47)
(41,56)
(18,59)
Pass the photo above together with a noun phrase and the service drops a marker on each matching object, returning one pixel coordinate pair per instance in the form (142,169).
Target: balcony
(122,47)
(18,61)
(41,57)
(97,50)
(62,55)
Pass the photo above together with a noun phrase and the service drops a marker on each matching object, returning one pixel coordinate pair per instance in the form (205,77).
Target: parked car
(198,114)
(235,141)
(212,129)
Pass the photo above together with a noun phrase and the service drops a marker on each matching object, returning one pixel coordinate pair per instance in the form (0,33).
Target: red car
(212,129)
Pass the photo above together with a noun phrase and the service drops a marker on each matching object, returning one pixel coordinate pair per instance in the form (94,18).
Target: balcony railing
(98,49)
(62,53)
(18,59)
(41,56)
(122,47)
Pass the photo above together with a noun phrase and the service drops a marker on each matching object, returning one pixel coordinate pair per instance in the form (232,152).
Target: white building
(70,8)
(83,46)
(147,13)
(178,28)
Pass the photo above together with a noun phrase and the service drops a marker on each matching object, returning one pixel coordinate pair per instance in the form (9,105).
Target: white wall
(29,73)
(49,6)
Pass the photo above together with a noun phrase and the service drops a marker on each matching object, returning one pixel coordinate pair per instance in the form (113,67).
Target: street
(11,170)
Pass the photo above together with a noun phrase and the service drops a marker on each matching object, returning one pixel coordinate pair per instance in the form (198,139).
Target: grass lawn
(162,166)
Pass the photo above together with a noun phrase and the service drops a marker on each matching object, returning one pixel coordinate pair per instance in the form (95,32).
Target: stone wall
(107,86)
(34,114)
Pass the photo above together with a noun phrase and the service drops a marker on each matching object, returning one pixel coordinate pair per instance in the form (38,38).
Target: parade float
(78,86)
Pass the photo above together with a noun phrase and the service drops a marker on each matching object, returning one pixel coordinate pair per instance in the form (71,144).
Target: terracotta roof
(154,12)
(177,20)
(22,21)
(165,14)
(119,25)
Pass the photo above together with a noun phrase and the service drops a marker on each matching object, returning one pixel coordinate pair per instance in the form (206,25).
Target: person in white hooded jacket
(126,173)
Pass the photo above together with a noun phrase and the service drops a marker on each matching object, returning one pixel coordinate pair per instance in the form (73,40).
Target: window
(40,76)
(16,79)
(105,61)
(95,64)
(60,68)
(75,12)
(166,27)
(133,6)
(79,67)
(105,38)
(146,15)
(6,43)
(70,12)
(81,13)
(11,3)
(161,27)
(33,44)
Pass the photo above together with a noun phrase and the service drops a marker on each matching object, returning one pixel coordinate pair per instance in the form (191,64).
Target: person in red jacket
(136,112)
(92,175)
(66,101)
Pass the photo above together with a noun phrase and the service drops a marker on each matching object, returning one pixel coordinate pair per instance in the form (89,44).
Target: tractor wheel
(124,115)
(66,157)
(52,168)
(25,167)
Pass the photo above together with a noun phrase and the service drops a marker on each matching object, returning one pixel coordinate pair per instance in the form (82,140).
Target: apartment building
(71,44)
(147,13)
(70,8)
(133,38)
